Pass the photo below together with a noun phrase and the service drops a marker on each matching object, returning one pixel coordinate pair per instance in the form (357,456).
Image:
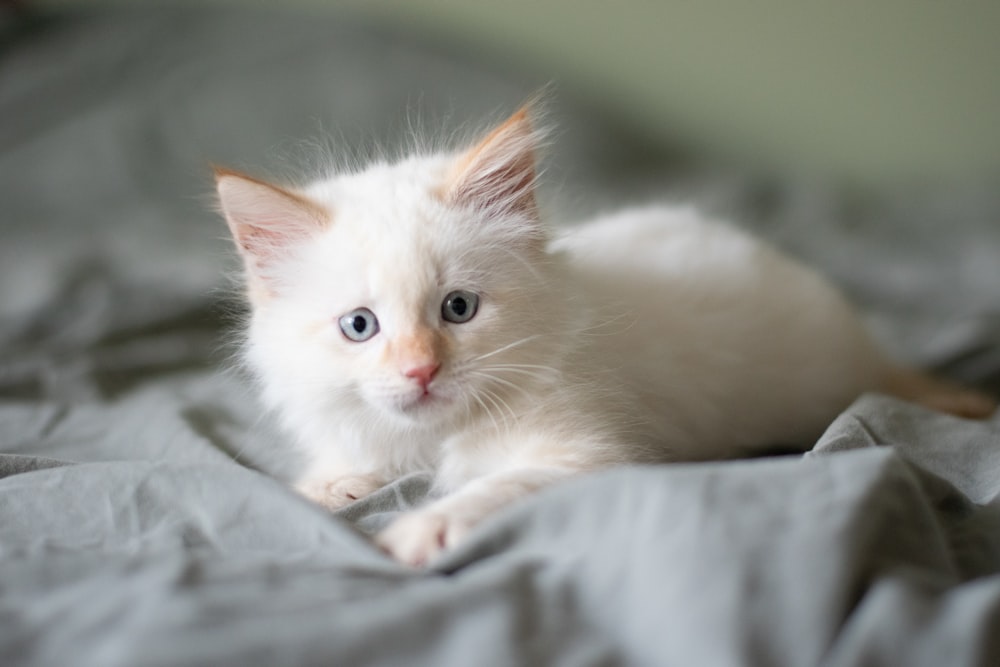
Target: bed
(144,519)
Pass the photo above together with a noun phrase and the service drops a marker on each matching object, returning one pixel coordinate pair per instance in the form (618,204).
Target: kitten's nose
(423,374)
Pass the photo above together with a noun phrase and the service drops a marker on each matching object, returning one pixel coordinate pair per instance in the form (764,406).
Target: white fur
(648,335)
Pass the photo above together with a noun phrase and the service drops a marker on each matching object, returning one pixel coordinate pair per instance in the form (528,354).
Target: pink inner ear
(507,187)
(266,220)
(261,242)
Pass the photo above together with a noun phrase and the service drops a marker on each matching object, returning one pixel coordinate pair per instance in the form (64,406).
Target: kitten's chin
(429,409)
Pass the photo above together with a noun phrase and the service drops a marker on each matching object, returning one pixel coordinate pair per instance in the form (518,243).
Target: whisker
(595,329)
(513,415)
(491,397)
(496,426)
(498,402)
(536,371)
(506,347)
(501,381)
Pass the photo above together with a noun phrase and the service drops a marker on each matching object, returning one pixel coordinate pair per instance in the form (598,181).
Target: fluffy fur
(648,335)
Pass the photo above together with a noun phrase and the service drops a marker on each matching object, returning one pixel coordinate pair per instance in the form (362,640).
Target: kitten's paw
(339,492)
(418,537)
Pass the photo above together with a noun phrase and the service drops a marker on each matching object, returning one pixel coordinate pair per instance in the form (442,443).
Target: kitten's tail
(939,394)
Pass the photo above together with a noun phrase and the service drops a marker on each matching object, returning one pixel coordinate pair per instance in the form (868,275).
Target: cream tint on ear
(497,176)
(266,222)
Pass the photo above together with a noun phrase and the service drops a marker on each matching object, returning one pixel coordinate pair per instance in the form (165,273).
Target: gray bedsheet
(142,520)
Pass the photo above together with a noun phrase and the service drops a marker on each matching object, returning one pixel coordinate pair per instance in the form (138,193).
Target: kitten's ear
(265,220)
(498,174)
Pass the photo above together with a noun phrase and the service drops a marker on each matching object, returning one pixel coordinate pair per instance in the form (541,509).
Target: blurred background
(871,90)
(876,90)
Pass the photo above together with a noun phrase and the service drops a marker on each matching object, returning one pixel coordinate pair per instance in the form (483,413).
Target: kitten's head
(419,290)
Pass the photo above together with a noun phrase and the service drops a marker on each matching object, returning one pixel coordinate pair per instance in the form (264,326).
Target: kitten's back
(717,336)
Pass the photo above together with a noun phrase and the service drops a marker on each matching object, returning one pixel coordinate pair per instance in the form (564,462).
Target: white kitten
(415,316)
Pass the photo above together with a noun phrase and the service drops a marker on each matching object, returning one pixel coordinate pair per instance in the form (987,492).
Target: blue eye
(460,306)
(359,325)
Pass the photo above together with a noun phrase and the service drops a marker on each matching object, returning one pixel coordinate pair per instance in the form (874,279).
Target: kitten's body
(650,335)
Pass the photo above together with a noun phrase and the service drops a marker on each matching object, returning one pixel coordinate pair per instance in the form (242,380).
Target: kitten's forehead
(383,185)
(390,237)
(390,212)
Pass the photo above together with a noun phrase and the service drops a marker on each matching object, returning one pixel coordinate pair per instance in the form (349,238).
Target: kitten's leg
(417,537)
(336,491)
(939,394)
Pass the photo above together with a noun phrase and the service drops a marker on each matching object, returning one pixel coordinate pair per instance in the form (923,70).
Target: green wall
(877,89)
(883,89)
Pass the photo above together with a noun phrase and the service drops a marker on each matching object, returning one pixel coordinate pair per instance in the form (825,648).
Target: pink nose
(423,374)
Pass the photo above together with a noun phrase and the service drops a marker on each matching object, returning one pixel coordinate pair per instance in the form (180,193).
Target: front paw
(338,492)
(416,538)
